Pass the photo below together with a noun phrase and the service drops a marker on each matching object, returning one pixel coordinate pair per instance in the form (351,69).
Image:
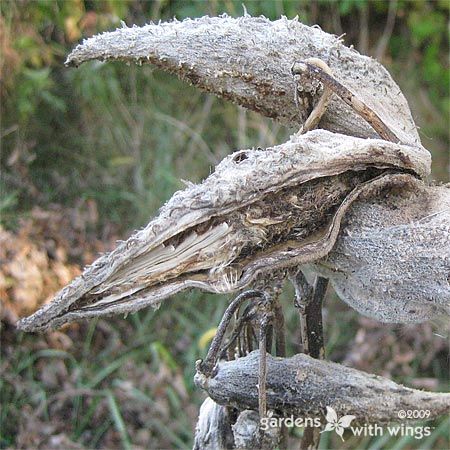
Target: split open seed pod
(260,210)
(284,206)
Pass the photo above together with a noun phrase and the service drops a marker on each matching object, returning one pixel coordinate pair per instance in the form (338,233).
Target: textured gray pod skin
(248,61)
(355,209)
(302,386)
(392,258)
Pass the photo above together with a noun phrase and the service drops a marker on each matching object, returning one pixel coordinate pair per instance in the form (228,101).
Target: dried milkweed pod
(260,210)
(392,259)
(283,206)
(248,60)
(302,386)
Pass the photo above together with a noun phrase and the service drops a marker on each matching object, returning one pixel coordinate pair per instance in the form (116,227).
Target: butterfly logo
(336,424)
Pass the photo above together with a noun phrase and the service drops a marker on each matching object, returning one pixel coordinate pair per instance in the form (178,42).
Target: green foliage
(35,92)
(429,33)
(348,6)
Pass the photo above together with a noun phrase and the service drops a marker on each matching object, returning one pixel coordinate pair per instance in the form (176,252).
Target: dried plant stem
(262,373)
(313,316)
(280,335)
(319,110)
(309,303)
(207,365)
(356,103)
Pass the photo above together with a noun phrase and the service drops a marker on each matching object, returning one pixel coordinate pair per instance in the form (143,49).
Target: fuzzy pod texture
(222,234)
(194,242)
(248,61)
(392,259)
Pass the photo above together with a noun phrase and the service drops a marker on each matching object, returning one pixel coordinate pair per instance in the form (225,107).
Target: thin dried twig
(321,106)
(350,98)
(262,371)
(207,365)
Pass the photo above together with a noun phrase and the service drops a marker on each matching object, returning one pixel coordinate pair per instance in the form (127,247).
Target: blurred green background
(119,139)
